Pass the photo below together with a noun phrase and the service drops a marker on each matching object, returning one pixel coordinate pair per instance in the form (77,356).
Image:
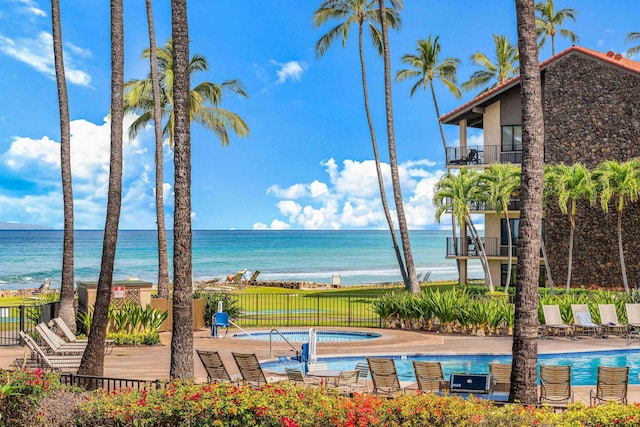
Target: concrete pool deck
(152,363)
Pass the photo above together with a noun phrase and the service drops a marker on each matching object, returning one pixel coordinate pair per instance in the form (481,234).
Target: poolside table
(328,374)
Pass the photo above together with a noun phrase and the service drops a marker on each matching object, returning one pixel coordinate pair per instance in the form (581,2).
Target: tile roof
(610,57)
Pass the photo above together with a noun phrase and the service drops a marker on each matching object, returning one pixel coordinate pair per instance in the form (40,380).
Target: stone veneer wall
(591,114)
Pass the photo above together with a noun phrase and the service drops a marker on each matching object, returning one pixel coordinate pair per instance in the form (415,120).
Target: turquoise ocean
(27,257)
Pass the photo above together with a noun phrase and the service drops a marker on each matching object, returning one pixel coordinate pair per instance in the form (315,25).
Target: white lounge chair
(553,321)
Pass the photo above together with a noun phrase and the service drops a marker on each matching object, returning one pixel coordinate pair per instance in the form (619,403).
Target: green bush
(229,306)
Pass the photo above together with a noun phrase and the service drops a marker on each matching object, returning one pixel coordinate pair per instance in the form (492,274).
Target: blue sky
(307,163)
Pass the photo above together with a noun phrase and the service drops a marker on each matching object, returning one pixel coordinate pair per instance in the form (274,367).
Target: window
(512,138)
(504,235)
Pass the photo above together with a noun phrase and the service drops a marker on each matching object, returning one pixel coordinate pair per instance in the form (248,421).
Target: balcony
(514,205)
(481,155)
(492,247)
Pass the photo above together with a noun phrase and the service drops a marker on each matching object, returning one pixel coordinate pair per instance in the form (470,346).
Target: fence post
(317,309)
(349,302)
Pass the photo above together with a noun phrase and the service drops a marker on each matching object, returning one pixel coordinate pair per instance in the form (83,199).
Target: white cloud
(291,71)
(35,163)
(276,224)
(351,197)
(38,53)
(31,7)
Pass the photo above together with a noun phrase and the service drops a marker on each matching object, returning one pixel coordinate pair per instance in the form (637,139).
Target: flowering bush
(43,401)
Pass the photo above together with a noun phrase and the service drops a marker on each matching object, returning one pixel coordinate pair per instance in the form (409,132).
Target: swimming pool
(584,366)
(303,336)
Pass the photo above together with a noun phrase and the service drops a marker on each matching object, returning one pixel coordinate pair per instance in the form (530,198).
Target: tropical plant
(229,306)
(181,365)
(524,386)
(504,67)
(548,23)
(453,193)
(500,182)
(571,185)
(93,357)
(66,311)
(620,182)
(362,12)
(633,36)
(411,283)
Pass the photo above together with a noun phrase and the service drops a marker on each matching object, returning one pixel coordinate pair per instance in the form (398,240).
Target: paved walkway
(153,362)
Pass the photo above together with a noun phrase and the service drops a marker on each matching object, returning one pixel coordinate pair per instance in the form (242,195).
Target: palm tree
(635,49)
(67,311)
(546,193)
(500,182)
(93,357)
(412,280)
(620,182)
(570,184)
(549,21)
(182,335)
(453,193)
(205,97)
(525,331)
(505,66)
(361,12)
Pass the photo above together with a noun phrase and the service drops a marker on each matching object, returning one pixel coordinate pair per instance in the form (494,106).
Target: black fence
(306,310)
(90,382)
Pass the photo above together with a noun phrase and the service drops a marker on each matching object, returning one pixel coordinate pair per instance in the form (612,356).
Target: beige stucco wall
(492,132)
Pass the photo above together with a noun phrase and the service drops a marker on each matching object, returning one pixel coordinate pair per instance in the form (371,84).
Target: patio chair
(250,369)
(633,321)
(553,321)
(347,382)
(363,378)
(297,377)
(555,384)
(582,323)
(609,320)
(428,376)
(56,344)
(472,157)
(70,336)
(216,371)
(612,385)
(501,376)
(219,320)
(254,277)
(384,376)
(427,277)
(65,363)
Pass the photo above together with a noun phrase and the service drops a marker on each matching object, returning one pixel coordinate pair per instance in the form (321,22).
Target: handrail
(248,334)
(285,340)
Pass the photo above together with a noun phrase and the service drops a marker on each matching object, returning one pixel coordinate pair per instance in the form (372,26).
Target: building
(591,107)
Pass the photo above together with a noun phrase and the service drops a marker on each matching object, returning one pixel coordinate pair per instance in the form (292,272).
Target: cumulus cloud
(276,224)
(35,163)
(350,196)
(291,71)
(38,53)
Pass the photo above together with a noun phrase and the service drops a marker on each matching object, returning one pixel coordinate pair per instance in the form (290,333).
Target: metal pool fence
(306,310)
(18,318)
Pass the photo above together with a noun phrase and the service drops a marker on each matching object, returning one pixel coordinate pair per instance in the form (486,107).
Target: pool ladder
(298,354)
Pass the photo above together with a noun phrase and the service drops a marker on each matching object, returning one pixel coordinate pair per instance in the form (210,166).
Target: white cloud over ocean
(350,197)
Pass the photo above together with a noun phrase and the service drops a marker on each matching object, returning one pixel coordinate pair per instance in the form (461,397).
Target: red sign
(118,291)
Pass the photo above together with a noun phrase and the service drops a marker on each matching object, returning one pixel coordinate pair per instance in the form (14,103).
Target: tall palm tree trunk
(623,266)
(163,262)
(374,143)
(547,267)
(182,335)
(93,357)
(483,253)
(570,261)
(412,284)
(524,373)
(67,311)
(505,208)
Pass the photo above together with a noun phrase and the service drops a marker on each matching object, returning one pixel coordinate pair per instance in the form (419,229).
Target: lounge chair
(612,385)
(66,363)
(363,378)
(219,320)
(384,376)
(254,277)
(250,369)
(501,373)
(347,382)
(56,344)
(633,321)
(297,377)
(427,277)
(472,157)
(553,321)
(609,320)
(555,384)
(582,323)
(235,279)
(216,371)
(428,376)
(70,336)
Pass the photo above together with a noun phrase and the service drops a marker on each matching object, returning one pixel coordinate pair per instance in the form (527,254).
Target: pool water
(584,366)
(303,336)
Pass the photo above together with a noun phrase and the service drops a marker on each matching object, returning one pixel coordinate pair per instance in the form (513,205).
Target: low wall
(197,312)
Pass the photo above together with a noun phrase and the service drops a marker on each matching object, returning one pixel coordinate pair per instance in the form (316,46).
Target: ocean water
(27,257)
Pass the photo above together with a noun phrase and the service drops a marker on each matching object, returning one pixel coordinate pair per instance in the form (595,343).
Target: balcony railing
(514,205)
(481,155)
(492,247)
